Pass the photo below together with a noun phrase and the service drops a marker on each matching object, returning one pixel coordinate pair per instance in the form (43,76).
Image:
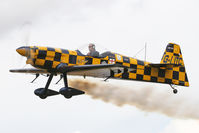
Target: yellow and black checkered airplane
(55,61)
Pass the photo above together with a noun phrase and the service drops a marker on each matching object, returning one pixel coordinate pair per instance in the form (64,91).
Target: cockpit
(97,52)
(102,55)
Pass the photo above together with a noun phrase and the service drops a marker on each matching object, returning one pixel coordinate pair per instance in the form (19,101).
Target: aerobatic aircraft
(63,62)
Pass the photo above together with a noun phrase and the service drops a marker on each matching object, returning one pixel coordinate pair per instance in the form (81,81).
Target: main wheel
(68,96)
(41,93)
(43,96)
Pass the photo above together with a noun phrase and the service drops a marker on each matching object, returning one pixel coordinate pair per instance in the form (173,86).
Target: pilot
(92,51)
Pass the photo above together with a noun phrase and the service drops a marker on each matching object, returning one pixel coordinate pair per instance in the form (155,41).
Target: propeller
(25,32)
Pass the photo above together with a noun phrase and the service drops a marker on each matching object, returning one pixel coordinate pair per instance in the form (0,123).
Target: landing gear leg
(45,92)
(175,91)
(65,80)
(68,92)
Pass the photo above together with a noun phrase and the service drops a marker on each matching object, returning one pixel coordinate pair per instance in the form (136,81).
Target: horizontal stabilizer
(164,65)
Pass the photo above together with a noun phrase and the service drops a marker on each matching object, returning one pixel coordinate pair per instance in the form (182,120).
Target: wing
(29,70)
(102,70)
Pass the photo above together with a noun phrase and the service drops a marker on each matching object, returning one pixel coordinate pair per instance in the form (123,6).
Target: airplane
(63,62)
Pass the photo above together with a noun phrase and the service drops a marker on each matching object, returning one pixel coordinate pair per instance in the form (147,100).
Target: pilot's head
(91,47)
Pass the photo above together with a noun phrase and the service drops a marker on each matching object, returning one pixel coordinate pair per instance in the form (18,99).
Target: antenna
(144,48)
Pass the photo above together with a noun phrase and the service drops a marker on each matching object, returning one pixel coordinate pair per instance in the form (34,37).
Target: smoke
(144,98)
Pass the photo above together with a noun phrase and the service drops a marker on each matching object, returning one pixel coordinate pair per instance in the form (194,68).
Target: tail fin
(173,55)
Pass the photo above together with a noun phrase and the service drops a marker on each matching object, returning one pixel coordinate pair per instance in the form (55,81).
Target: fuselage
(49,58)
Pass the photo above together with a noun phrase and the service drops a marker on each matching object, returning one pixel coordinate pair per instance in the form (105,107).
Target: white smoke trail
(144,98)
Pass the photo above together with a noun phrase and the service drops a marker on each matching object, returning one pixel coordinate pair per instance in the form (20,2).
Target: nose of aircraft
(22,50)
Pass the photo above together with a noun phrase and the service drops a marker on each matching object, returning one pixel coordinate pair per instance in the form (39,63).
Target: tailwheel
(175,91)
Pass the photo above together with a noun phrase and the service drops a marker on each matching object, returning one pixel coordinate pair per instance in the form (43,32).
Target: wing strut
(37,75)
(61,76)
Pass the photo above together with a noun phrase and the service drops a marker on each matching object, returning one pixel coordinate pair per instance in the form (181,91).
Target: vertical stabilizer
(173,55)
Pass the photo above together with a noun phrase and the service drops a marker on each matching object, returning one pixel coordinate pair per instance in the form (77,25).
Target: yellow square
(96,61)
(42,48)
(80,60)
(169,74)
(55,63)
(186,83)
(174,81)
(126,64)
(65,58)
(58,50)
(49,58)
(140,71)
(133,61)
(161,80)
(140,67)
(50,53)
(182,76)
(72,52)
(176,69)
(147,77)
(176,49)
(40,62)
(154,72)
(132,76)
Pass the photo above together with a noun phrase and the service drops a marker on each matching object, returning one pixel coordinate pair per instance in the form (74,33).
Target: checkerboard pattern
(50,58)
(140,70)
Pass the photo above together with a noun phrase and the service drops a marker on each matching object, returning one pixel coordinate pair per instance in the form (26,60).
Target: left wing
(101,70)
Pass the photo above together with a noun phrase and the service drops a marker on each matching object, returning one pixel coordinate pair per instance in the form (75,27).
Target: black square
(182,69)
(140,62)
(176,75)
(57,56)
(181,83)
(125,75)
(154,79)
(48,64)
(42,54)
(147,71)
(50,49)
(169,81)
(72,59)
(64,51)
(126,59)
(161,73)
(170,48)
(133,66)
(139,77)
